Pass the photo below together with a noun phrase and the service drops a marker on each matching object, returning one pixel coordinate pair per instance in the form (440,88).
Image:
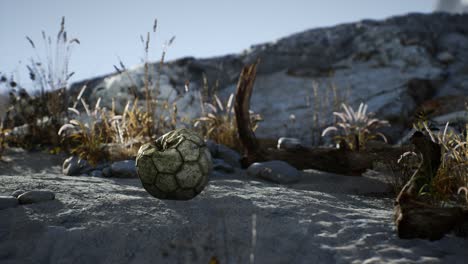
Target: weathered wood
(241,108)
(415,217)
(332,160)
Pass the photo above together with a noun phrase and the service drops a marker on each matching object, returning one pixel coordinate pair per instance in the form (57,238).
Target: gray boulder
(289,143)
(17,193)
(123,169)
(36,197)
(75,166)
(8,202)
(212,147)
(222,166)
(229,155)
(96,173)
(276,171)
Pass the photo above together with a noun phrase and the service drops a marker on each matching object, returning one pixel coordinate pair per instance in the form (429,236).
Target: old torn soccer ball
(176,167)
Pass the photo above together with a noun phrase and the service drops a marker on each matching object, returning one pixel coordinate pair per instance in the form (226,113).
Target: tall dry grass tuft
(357,127)
(325,100)
(218,122)
(160,115)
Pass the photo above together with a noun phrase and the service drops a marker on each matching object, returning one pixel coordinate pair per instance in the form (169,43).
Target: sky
(110,30)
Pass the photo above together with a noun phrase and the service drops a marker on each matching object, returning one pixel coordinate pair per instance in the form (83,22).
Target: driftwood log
(415,217)
(341,161)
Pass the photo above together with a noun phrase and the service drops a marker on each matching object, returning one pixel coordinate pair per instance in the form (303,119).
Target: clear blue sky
(203,28)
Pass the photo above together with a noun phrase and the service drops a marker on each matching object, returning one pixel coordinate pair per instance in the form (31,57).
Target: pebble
(276,171)
(17,193)
(74,166)
(230,156)
(212,147)
(96,173)
(8,202)
(289,143)
(124,169)
(221,165)
(36,197)
(106,172)
(445,57)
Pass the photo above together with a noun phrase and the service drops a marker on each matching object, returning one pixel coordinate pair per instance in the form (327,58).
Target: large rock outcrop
(393,65)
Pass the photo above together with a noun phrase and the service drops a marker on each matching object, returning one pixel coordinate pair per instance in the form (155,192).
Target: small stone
(276,171)
(289,143)
(74,166)
(124,169)
(230,156)
(106,172)
(445,57)
(8,202)
(96,173)
(17,193)
(221,165)
(216,174)
(36,197)
(212,147)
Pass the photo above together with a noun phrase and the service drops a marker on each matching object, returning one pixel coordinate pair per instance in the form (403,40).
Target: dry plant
(358,127)
(326,100)
(399,172)
(160,115)
(129,129)
(219,122)
(38,116)
(86,133)
(3,142)
(50,74)
(452,176)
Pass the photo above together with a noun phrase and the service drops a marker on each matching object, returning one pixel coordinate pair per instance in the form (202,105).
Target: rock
(8,202)
(216,174)
(17,193)
(289,143)
(445,57)
(367,61)
(106,172)
(221,165)
(212,147)
(96,173)
(276,171)
(230,156)
(74,166)
(36,197)
(123,169)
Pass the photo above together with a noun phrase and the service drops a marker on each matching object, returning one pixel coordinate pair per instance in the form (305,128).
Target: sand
(102,220)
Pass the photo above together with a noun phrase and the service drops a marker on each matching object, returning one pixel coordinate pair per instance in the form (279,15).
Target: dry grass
(357,127)
(452,176)
(86,133)
(218,122)
(326,100)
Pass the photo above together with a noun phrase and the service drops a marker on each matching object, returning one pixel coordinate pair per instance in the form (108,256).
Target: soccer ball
(176,167)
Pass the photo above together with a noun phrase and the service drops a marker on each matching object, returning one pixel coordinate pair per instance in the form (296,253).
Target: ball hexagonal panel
(168,161)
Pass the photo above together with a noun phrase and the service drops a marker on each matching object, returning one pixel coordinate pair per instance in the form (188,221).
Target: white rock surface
(100,220)
(393,65)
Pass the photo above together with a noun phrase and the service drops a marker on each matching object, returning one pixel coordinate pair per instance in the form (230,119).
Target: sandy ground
(99,220)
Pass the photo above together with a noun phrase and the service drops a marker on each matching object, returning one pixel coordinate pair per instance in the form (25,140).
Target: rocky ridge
(393,65)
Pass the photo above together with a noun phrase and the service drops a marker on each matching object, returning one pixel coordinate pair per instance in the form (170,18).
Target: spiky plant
(129,129)
(452,176)
(357,126)
(86,133)
(219,122)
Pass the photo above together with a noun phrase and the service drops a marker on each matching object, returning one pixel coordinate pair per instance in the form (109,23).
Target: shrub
(358,127)
(218,123)
(86,133)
